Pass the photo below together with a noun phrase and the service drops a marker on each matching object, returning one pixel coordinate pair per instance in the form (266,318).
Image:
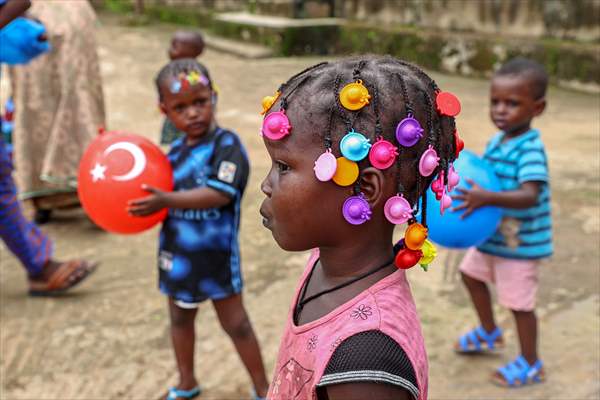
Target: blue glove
(19,41)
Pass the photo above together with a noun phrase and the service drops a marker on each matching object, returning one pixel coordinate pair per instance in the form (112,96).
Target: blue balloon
(450,230)
(20,41)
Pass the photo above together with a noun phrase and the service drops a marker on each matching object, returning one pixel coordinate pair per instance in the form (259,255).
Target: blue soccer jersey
(523,233)
(199,255)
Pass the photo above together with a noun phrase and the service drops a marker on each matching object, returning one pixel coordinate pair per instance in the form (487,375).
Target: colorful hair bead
(354,96)
(445,202)
(175,87)
(409,131)
(193,77)
(453,178)
(397,210)
(325,166)
(382,154)
(268,101)
(437,186)
(356,210)
(458,143)
(415,236)
(354,146)
(429,254)
(407,258)
(346,172)
(276,125)
(447,104)
(428,162)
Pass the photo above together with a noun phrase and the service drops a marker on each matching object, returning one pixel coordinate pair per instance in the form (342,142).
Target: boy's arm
(12,9)
(199,198)
(524,197)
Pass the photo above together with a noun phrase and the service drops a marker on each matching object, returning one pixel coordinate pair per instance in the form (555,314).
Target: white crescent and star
(139,162)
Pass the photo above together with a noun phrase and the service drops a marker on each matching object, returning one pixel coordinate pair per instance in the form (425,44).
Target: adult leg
(234,320)
(23,238)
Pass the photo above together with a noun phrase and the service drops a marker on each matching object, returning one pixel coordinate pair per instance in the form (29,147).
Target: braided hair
(398,89)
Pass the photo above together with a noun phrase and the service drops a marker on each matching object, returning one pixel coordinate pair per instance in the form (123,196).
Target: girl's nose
(265,186)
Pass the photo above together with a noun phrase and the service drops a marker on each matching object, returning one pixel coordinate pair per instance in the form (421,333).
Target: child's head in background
(517,95)
(186,97)
(376,96)
(186,44)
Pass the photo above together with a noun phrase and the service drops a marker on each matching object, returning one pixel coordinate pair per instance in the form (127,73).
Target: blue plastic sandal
(471,341)
(175,393)
(257,397)
(518,373)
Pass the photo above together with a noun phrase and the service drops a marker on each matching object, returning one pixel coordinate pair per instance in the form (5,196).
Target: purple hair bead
(356,210)
(409,131)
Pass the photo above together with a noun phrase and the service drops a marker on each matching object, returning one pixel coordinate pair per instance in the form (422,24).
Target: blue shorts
(189,283)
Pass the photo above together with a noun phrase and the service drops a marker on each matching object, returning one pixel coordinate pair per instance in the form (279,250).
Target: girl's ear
(162,108)
(371,185)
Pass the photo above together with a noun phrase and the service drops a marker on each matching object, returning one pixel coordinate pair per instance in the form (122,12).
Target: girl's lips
(266,220)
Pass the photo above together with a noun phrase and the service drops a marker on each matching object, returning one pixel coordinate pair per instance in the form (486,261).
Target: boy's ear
(371,185)
(539,106)
(162,107)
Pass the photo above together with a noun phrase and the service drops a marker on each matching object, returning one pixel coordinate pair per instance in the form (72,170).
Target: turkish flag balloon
(111,173)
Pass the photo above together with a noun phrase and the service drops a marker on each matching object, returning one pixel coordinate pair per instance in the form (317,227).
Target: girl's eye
(282,167)
(513,103)
(179,108)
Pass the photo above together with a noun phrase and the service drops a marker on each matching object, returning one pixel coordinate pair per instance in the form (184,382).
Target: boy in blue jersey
(199,256)
(510,258)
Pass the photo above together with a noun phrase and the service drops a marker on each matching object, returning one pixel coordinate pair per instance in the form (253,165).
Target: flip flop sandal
(519,373)
(471,342)
(255,396)
(174,393)
(66,276)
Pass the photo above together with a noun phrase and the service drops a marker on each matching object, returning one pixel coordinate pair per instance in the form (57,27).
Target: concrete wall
(564,19)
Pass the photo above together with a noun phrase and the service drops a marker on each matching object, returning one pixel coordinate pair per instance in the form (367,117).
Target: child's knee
(240,328)
(181,318)
(469,281)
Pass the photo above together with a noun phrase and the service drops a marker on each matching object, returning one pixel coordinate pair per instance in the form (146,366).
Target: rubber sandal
(66,276)
(519,373)
(174,393)
(471,342)
(255,396)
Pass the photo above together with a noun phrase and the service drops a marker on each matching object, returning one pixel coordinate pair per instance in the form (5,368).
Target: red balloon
(111,173)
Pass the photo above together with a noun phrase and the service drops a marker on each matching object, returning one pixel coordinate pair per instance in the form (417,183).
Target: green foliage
(118,6)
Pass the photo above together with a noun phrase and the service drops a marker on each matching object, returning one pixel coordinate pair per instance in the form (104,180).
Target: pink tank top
(305,350)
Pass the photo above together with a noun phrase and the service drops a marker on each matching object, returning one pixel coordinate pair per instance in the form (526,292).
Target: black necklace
(302,301)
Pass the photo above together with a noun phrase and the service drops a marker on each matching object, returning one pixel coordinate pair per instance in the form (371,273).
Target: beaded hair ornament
(382,154)
(184,81)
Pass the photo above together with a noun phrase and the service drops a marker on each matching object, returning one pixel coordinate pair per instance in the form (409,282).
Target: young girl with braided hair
(354,146)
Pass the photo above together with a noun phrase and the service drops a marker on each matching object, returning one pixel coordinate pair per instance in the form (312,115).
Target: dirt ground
(109,338)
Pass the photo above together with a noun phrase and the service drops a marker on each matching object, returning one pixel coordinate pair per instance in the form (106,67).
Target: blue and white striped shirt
(523,233)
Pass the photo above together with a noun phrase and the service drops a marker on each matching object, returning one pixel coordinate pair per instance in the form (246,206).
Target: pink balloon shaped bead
(325,166)
(429,161)
(437,186)
(445,202)
(276,125)
(397,210)
(382,154)
(453,178)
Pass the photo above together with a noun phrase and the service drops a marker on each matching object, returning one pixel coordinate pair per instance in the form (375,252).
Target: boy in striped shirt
(510,258)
